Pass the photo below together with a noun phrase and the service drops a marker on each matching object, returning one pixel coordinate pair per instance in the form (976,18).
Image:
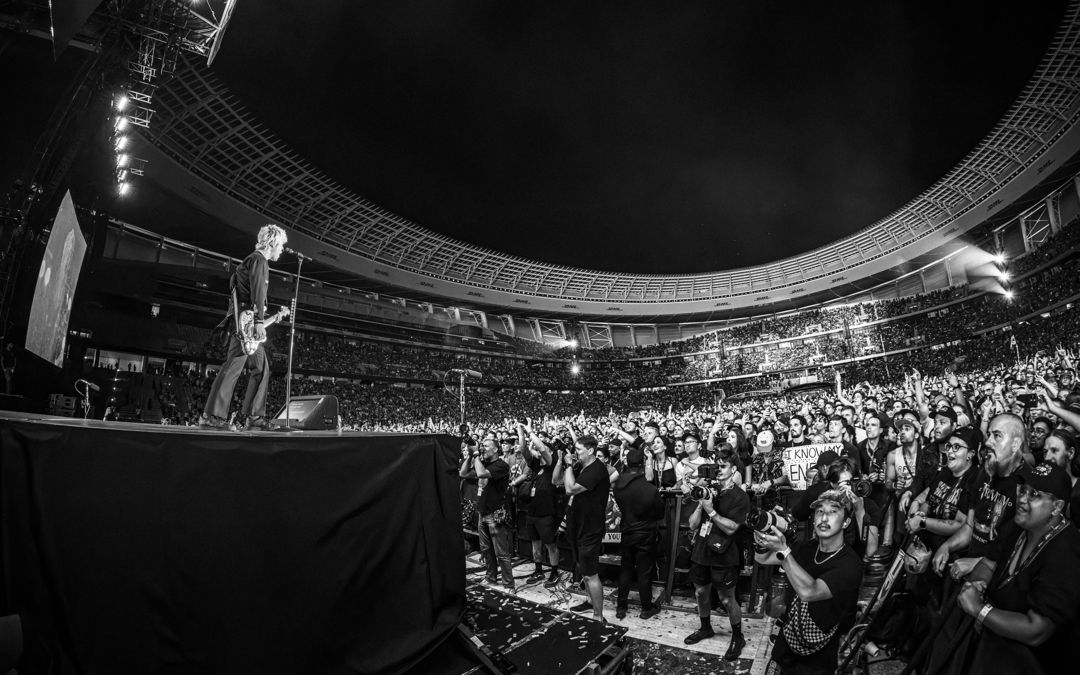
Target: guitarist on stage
(248,286)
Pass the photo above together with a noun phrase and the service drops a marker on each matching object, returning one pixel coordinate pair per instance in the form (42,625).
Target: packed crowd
(969,474)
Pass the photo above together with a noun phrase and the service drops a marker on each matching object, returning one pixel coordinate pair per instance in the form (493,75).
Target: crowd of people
(970,475)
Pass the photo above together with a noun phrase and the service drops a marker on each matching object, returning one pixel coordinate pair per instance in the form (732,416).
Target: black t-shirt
(995,506)
(1047,585)
(842,573)
(493,489)
(716,548)
(542,502)
(586,517)
(949,494)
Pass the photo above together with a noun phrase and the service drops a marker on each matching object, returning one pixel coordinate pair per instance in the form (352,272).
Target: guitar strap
(235,310)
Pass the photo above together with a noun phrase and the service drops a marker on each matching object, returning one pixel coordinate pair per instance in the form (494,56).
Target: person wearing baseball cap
(825,574)
(941,509)
(1025,607)
(910,467)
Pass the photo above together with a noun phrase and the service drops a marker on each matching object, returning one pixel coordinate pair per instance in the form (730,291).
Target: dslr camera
(711,488)
(860,486)
(763,520)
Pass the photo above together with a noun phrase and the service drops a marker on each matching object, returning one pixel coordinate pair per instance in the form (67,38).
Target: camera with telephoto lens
(709,473)
(762,520)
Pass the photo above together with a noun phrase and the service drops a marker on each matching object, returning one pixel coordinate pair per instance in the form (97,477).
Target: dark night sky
(636,137)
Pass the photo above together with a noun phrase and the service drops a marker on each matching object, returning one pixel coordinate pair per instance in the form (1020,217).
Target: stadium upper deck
(205,147)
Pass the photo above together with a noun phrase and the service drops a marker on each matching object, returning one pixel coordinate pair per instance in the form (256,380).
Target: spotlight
(1003,275)
(1009,295)
(573,344)
(999,258)
(121,143)
(124,188)
(575,369)
(121,122)
(121,175)
(122,159)
(122,101)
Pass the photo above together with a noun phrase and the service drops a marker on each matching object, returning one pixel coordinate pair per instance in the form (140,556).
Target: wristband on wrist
(983,613)
(922,523)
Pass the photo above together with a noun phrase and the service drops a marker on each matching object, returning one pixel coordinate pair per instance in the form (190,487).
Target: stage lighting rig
(1002,265)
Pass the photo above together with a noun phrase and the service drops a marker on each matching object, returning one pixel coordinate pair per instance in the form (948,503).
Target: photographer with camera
(715,561)
(641,507)
(585,479)
(493,475)
(840,473)
(825,574)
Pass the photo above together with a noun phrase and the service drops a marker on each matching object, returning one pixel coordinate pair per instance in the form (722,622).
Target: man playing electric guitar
(248,285)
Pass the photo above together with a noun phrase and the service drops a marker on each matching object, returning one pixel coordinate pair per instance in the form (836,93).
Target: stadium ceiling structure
(210,150)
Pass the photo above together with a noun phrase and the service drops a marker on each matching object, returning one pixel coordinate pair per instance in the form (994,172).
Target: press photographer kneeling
(824,574)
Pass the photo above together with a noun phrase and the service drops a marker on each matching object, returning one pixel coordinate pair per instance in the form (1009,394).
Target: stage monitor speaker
(310,413)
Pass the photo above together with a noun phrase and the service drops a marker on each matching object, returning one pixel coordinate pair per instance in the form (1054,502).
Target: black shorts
(720,577)
(586,553)
(542,528)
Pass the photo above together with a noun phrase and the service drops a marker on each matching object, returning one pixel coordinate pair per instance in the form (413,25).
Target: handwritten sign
(799,460)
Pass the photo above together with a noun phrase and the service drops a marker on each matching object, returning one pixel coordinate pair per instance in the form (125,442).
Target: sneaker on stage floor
(213,422)
(649,613)
(490,581)
(256,423)
(620,612)
(536,576)
(585,606)
(508,589)
(699,635)
(735,648)
(552,580)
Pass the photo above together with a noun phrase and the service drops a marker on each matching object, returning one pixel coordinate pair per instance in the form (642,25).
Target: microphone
(296,253)
(91,385)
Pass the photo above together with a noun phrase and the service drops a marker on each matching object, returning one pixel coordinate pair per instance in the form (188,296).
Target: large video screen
(55,288)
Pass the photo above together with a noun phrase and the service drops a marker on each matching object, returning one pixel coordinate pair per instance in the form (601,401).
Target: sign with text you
(799,460)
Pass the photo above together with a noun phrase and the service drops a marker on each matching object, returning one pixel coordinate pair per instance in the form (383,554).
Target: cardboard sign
(799,460)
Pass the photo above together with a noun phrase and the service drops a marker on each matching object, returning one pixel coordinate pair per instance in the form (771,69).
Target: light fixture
(121,142)
(124,188)
(122,159)
(122,101)
(121,122)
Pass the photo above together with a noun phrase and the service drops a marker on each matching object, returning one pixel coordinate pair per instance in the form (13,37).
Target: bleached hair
(269,235)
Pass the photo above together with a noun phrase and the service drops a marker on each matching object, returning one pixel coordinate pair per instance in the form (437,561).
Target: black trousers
(236,361)
(637,566)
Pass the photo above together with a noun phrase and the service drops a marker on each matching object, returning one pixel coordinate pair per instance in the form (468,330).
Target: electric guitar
(248,342)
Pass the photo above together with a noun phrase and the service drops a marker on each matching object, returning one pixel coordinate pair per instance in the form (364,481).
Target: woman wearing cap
(942,508)
(1024,607)
(825,574)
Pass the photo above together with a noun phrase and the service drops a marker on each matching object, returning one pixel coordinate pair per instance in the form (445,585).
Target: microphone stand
(292,341)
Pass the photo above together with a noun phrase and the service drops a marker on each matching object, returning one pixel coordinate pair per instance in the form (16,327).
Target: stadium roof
(207,133)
